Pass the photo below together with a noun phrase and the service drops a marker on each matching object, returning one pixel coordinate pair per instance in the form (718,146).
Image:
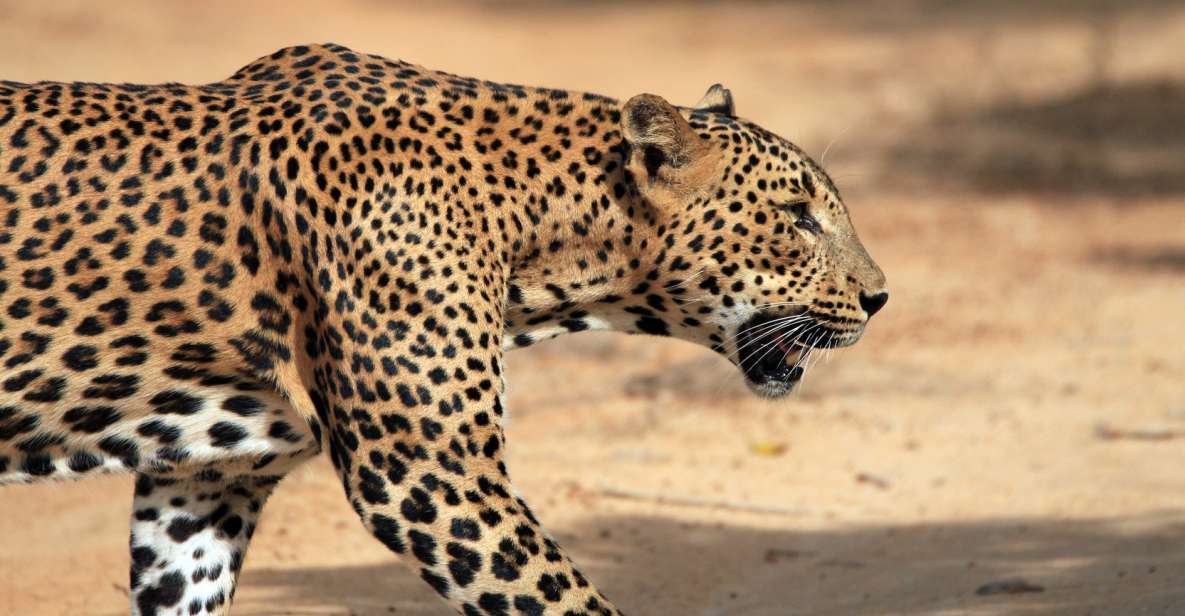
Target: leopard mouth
(773,351)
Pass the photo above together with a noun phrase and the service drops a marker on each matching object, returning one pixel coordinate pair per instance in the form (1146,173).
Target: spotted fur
(330,251)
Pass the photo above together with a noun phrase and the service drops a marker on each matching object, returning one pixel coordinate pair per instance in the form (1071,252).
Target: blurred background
(1017,412)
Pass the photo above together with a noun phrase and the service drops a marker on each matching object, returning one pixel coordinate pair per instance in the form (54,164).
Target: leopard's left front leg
(419,446)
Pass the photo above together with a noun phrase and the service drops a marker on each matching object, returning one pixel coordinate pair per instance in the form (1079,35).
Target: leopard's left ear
(664,149)
(718,99)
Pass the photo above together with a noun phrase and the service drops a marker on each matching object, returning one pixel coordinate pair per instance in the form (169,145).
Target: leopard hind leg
(192,521)
(189,538)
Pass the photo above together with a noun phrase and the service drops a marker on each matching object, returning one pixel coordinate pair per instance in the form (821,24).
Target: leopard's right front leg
(422,465)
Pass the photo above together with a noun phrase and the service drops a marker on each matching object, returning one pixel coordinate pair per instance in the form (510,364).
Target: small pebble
(873,480)
(1014,586)
(770,449)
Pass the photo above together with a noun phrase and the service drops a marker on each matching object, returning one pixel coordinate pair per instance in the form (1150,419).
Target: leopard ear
(663,145)
(718,99)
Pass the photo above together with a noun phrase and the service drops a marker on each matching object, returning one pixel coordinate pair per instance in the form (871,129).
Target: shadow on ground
(654,566)
(917,11)
(1122,140)
(1157,258)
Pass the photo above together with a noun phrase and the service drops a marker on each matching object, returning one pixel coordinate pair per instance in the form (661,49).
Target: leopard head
(758,251)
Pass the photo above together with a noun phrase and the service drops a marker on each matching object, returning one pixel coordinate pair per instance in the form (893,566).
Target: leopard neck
(576,244)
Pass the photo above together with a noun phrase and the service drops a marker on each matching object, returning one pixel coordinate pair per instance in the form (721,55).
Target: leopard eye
(803,219)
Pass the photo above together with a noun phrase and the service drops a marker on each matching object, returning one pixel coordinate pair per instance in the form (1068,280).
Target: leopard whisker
(769,347)
(688,280)
(767,327)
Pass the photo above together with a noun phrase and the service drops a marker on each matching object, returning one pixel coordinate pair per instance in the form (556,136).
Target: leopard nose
(873,303)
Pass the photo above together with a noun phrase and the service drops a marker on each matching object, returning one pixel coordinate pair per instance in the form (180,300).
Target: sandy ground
(1017,411)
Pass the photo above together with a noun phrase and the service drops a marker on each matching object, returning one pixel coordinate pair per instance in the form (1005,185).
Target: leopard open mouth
(773,352)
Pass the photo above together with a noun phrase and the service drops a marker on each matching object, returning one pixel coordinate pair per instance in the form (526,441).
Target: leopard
(331,251)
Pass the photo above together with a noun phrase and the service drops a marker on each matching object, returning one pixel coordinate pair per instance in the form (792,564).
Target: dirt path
(1013,413)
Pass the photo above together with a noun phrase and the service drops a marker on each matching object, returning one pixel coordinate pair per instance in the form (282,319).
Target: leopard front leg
(422,463)
(189,538)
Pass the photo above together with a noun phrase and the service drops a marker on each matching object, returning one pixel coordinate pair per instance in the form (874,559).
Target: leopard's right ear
(718,99)
(664,148)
